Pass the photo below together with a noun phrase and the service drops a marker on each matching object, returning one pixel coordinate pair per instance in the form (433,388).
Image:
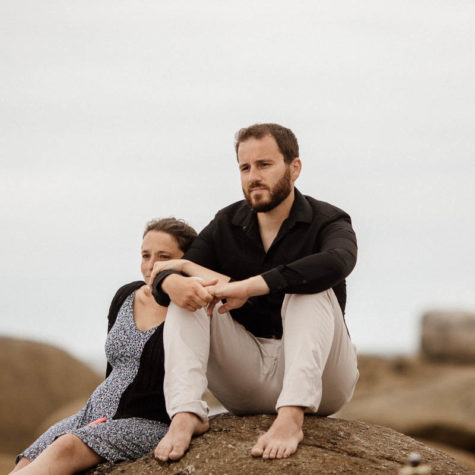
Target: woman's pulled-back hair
(179,229)
(285,138)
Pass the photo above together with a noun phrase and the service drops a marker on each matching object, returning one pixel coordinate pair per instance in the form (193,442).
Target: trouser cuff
(198,408)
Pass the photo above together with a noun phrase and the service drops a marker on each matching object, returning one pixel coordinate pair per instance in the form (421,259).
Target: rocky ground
(331,446)
(426,397)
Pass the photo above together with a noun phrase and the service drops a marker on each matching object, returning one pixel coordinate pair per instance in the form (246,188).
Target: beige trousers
(313,366)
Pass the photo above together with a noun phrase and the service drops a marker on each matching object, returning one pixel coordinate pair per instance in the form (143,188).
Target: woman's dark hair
(179,229)
(285,138)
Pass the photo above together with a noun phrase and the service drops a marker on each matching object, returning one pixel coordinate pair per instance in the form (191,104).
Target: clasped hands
(192,293)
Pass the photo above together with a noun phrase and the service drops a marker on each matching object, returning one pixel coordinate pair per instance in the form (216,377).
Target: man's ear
(295,168)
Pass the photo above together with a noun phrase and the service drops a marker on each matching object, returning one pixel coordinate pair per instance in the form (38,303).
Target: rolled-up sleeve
(331,264)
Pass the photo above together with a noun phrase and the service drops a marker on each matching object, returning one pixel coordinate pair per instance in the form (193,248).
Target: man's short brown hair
(285,138)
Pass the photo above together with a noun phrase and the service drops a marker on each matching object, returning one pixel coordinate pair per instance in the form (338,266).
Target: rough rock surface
(36,379)
(449,336)
(330,446)
(418,398)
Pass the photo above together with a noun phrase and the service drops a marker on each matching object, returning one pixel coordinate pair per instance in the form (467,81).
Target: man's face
(265,178)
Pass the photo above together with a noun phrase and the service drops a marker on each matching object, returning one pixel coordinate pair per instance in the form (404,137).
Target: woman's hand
(160,266)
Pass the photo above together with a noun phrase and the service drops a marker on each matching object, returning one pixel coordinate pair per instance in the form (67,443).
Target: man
(277,340)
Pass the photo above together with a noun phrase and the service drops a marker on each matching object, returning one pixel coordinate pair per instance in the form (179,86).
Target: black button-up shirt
(314,250)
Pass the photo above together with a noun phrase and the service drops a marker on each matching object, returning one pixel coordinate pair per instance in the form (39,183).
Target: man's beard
(278,194)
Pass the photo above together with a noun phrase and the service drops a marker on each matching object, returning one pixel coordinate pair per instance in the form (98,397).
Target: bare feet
(183,427)
(284,435)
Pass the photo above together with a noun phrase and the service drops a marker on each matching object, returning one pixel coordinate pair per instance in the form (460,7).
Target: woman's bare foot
(283,436)
(183,427)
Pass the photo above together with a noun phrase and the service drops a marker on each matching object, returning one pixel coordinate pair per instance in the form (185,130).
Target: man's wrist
(256,285)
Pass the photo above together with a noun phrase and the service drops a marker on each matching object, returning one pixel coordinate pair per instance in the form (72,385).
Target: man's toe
(280,453)
(258,449)
(272,453)
(176,454)
(287,452)
(162,451)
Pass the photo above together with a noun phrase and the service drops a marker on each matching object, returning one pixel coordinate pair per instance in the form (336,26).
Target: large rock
(36,379)
(330,446)
(449,336)
(7,462)
(61,413)
(418,398)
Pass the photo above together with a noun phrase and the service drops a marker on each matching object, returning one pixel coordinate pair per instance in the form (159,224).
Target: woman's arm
(188,268)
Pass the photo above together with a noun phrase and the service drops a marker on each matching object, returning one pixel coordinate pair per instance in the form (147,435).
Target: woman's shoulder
(127,289)
(120,297)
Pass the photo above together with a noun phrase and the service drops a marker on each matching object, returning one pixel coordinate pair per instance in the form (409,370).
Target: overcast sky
(115,112)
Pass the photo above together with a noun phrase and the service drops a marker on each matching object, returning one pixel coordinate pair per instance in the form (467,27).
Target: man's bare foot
(283,436)
(183,427)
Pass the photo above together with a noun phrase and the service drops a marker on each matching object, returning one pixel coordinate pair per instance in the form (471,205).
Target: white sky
(114,112)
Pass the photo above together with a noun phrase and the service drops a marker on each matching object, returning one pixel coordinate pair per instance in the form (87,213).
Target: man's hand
(236,293)
(187,292)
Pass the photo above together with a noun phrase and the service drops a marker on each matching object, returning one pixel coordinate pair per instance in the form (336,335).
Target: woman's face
(157,246)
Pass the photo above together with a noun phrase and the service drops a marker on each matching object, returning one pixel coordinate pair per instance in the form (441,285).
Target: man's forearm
(235,294)
(195,270)
(311,274)
(256,286)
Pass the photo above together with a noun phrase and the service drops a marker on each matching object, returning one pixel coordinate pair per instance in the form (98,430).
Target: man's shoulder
(225,219)
(234,209)
(323,209)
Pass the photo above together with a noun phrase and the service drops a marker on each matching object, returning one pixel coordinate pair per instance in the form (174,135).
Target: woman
(125,416)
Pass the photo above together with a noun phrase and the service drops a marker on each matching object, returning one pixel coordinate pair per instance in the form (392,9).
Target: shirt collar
(301,210)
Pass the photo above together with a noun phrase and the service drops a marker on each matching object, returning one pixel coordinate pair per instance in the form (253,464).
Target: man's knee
(336,401)
(325,299)
(311,312)
(175,313)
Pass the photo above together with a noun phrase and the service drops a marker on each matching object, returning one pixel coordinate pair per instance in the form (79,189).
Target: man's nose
(254,174)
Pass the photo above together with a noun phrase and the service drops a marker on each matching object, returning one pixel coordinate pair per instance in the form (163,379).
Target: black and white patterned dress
(120,438)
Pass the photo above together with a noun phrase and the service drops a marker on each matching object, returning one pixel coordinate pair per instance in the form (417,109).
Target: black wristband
(159,295)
